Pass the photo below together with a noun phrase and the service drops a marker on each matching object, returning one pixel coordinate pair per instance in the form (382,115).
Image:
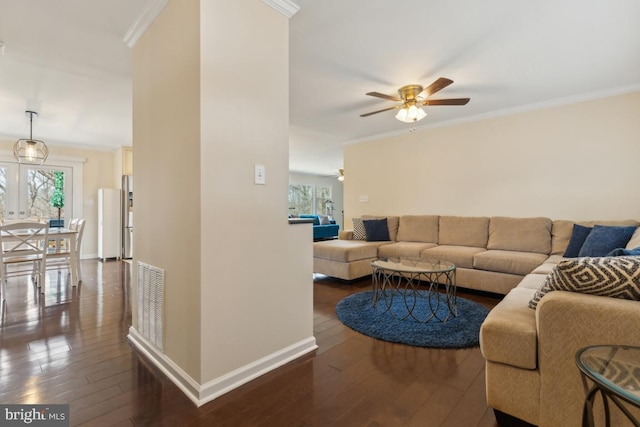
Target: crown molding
(558,102)
(286,7)
(146,18)
(154,7)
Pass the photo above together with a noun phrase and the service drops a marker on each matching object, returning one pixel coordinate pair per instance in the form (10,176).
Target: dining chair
(59,256)
(23,243)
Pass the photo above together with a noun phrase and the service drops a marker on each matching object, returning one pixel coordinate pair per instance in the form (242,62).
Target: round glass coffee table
(423,285)
(615,373)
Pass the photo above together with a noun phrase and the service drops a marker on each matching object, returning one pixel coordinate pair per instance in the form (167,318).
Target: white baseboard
(201,394)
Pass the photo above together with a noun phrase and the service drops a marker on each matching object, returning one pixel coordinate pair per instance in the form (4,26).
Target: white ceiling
(67,59)
(505,55)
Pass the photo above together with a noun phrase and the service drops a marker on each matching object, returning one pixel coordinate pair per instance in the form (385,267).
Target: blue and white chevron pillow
(616,277)
(359,232)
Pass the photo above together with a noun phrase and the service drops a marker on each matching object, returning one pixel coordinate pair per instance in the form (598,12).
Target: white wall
(577,161)
(166,140)
(257,293)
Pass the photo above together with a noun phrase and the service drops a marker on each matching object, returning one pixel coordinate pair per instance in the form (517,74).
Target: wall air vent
(150,303)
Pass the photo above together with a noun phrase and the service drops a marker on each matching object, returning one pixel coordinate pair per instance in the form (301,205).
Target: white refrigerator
(109,230)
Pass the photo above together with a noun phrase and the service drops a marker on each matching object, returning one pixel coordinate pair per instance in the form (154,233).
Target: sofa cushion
(461,256)
(561,231)
(578,235)
(376,230)
(634,242)
(511,262)
(403,249)
(508,335)
(359,232)
(617,277)
(548,266)
(392,223)
(603,239)
(520,234)
(345,235)
(463,231)
(532,281)
(346,250)
(418,228)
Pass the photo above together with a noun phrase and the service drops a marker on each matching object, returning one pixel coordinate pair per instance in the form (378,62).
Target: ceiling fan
(412,97)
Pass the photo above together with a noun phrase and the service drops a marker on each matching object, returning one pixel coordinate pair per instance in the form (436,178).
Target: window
(324,205)
(26,191)
(308,199)
(300,199)
(3,191)
(40,190)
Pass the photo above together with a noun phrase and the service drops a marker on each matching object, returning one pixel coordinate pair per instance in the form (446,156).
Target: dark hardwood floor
(69,346)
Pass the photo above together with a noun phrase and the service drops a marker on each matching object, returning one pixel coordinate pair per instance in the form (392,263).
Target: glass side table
(615,373)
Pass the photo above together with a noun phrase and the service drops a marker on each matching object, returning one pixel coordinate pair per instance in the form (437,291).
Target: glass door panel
(10,193)
(45,192)
(27,191)
(3,191)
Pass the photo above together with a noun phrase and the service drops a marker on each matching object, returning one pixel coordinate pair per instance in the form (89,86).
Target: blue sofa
(322,231)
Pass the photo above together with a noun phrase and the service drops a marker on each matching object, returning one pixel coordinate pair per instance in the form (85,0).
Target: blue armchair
(322,231)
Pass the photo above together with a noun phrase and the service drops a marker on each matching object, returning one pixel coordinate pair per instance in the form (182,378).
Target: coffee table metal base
(427,287)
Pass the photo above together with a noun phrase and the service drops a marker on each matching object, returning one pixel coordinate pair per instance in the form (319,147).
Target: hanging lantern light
(30,151)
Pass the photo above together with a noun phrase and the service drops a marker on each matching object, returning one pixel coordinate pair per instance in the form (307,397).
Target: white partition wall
(237,282)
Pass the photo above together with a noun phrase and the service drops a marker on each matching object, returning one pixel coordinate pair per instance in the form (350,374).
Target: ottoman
(345,259)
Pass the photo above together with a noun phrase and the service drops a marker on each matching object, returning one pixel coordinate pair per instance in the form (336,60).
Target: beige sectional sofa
(491,254)
(530,353)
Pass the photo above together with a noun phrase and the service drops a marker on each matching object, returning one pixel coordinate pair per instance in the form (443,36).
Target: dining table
(59,249)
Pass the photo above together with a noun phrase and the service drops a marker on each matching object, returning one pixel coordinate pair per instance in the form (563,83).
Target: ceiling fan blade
(452,101)
(380,111)
(434,87)
(383,96)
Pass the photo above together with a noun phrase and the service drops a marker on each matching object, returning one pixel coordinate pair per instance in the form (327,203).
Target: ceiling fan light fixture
(411,114)
(30,151)
(341,175)
(412,98)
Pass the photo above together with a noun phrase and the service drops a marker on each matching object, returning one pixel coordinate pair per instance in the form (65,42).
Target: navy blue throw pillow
(604,239)
(376,230)
(578,236)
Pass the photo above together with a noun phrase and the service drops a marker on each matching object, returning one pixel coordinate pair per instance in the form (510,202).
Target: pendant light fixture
(30,151)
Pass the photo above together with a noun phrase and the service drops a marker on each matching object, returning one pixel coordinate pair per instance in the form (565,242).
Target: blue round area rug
(357,312)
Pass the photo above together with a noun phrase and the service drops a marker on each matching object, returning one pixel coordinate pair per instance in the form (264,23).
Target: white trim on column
(146,18)
(286,7)
(204,393)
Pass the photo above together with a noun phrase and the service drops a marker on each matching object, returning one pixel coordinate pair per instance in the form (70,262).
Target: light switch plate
(259,175)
